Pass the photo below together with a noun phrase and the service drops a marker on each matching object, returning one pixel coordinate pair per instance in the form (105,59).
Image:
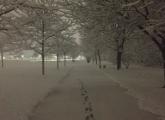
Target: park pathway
(86,93)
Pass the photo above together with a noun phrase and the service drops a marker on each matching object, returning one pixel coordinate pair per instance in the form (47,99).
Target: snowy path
(85,93)
(22,86)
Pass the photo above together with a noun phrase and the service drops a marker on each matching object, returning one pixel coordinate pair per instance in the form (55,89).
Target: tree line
(37,25)
(122,31)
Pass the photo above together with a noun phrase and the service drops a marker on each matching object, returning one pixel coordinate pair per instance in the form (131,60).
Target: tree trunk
(43,60)
(2,56)
(163,56)
(118,59)
(96,58)
(43,48)
(160,45)
(58,66)
(64,59)
(118,55)
(58,48)
(120,47)
(99,58)
(164,70)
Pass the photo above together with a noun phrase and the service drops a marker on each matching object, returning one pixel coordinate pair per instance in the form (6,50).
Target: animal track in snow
(86,102)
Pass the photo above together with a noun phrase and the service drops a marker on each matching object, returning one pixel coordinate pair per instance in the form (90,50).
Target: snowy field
(144,83)
(22,86)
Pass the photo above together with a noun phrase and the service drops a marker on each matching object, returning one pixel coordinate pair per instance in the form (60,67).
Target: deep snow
(23,90)
(88,94)
(144,83)
(22,86)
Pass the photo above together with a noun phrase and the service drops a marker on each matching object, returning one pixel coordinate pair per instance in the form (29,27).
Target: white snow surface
(22,86)
(143,83)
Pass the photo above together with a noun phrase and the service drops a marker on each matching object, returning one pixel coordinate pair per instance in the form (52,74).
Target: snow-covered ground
(87,94)
(144,83)
(22,86)
(24,91)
